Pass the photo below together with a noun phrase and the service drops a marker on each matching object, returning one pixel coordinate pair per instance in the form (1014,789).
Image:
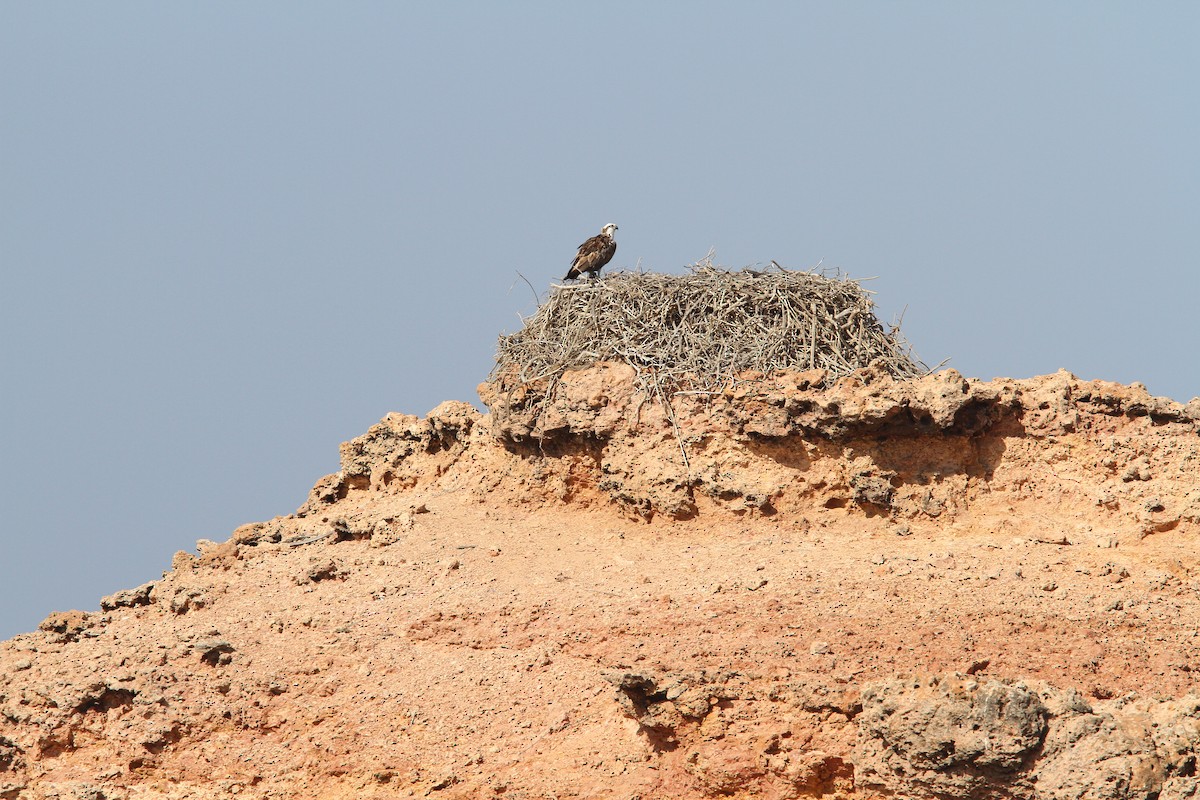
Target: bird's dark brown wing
(593,254)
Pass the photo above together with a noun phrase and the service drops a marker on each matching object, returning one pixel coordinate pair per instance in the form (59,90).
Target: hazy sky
(233,235)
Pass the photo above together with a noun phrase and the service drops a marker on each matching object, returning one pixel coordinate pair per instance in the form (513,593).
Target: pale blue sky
(233,235)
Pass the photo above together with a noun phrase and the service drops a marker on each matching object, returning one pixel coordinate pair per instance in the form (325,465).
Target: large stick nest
(703,329)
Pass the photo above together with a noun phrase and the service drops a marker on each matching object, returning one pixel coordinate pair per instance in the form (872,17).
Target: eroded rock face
(954,736)
(911,450)
(951,737)
(402,449)
(596,592)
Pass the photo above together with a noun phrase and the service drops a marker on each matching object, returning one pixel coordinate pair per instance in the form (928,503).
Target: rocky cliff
(793,587)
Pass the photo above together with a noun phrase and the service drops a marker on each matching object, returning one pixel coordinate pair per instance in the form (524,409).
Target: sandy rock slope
(941,588)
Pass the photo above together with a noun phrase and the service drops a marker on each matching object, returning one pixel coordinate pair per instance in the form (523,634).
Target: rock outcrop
(940,588)
(785,443)
(956,736)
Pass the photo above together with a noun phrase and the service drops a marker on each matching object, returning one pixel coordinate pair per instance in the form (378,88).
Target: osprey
(594,253)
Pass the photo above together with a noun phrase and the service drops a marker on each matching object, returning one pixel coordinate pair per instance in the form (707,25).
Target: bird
(594,253)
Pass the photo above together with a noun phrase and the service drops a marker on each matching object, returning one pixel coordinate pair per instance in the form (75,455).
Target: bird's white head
(609,229)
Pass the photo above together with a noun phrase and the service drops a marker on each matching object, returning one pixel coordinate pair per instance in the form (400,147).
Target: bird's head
(609,229)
